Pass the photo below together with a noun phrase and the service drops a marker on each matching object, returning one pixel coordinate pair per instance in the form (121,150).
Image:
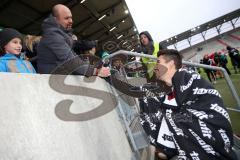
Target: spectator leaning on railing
(55,48)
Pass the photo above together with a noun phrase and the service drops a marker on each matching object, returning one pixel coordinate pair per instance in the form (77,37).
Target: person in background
(11,59)
(104,54)
(216,59)
(117,63)
(87,51)
(31,43)
(210,74)
(223,62)
(91,47)
(235,58)
(148,47)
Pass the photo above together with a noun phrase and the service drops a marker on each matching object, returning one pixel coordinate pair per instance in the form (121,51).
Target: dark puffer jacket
(55,49)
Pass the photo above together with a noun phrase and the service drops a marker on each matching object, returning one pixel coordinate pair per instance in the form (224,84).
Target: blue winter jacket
(11,63)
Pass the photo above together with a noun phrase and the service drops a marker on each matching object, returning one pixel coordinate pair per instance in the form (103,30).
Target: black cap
(87,45)
(7,34)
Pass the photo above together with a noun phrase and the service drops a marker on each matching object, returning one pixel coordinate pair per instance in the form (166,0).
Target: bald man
(55,48)
(63,16)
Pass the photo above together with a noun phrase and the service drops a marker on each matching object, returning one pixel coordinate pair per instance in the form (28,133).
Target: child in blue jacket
(11,46)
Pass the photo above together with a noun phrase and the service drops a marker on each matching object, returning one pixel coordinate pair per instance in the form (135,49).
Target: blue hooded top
(11,63)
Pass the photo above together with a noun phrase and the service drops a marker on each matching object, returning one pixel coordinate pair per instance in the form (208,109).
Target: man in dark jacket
(191,120)
(235,58)
(55,48)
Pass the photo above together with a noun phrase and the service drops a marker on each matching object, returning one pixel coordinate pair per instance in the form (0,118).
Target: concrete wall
(36,123)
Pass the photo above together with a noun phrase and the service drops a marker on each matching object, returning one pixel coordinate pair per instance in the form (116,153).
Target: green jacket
(150,63)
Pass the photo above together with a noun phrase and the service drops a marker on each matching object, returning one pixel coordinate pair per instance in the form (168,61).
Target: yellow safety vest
(150,63)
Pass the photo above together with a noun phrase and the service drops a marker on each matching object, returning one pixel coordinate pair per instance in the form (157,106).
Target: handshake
(103,72)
